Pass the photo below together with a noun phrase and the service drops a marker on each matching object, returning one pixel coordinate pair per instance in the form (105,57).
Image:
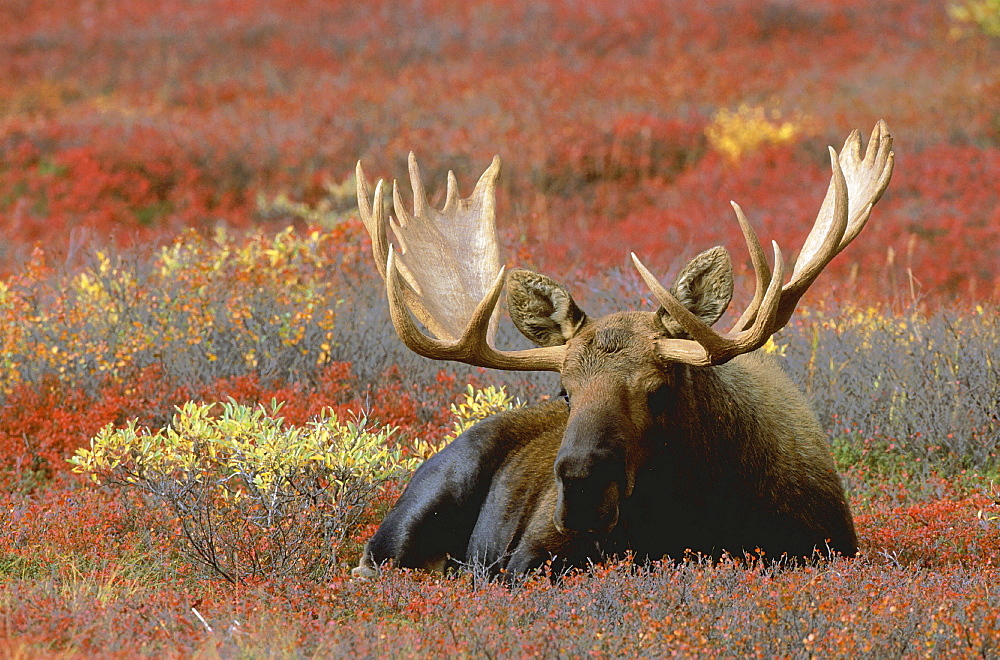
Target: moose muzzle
(591,474)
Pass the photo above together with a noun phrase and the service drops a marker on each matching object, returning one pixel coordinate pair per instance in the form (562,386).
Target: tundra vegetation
(189,315)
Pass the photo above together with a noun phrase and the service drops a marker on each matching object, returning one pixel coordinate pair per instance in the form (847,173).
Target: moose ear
(541,308)
(704,286)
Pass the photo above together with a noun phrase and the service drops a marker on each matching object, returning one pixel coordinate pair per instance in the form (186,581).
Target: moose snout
(587,507)
(588,495)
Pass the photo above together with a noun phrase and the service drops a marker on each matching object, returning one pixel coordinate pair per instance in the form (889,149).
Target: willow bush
(252,496)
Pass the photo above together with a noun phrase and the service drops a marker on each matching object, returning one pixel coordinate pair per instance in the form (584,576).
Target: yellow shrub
(981,14)
(478,405)
(253,496)
(774,348)
(238,301)
(327,212)
(740,131)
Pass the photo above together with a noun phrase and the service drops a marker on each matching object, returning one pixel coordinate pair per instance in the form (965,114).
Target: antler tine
(761,270)
(419,194)
(403,216)
(484,194)
(766,323)
(472,347)
(451,198)
(373,219)
(710,347)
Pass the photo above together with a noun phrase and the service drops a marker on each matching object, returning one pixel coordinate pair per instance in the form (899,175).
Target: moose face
(613,376)
(610,375)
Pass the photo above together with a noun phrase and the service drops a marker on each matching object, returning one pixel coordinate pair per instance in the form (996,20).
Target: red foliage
(880,604)
(42,425)
(934,534)
(939,222)
(134,122)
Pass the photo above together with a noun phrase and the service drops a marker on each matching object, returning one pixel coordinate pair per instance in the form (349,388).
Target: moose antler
(448,272)
(857,184)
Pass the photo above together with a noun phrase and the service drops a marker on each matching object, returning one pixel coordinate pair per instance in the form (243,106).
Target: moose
(669,438)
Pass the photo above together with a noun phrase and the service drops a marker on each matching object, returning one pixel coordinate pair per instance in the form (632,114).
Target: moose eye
(564,395)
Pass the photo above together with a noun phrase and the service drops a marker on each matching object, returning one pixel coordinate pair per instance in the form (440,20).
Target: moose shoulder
(671,438)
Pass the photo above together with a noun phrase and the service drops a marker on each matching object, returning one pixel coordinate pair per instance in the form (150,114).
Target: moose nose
(587,505)
(589,492)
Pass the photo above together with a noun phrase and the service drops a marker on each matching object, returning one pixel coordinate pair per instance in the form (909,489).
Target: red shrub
(135,122)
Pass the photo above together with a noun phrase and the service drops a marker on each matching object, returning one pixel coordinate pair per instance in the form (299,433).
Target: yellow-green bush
(981,14)
(252,496)
(328,212)
(202,308)
(479,404)
(740,131)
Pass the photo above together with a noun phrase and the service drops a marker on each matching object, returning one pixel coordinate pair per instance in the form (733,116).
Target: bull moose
(670,437)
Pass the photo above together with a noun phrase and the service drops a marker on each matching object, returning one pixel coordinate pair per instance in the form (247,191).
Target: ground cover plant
(179,238)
